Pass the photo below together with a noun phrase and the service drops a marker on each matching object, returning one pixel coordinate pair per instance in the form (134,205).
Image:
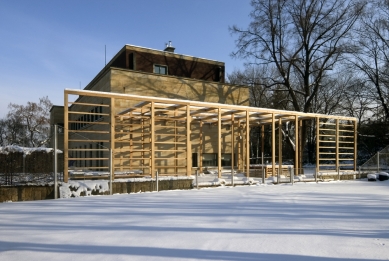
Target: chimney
(169,47)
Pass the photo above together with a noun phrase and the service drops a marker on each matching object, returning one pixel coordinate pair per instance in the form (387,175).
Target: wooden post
(131,137)
(262,146)
(219,147)
(247,143)
(355,144)
(317,144)
(232,147)
(152,140)
(279,149)
(112,132)
(300,147)
(273,144)
(200,159)
(66,139)
(296,146)
(337,146)
(188,142)
(175,138)
(240,146)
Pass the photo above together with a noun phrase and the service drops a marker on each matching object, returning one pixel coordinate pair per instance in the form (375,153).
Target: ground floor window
(210,159)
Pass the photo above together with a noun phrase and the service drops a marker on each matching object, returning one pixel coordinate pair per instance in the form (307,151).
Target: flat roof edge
(179,54)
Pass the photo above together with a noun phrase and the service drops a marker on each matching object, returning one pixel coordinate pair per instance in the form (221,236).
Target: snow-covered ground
(306,221)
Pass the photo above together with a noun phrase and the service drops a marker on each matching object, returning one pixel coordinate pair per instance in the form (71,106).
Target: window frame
(159,66)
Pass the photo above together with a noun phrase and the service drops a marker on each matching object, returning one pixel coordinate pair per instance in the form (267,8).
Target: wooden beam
(188,143)
(200,159)
(66,139)
(337,145)
(232,144)
(355,144)
(262,146)
(273,144)
(296,146)
(240,147)
(112,138)
(219,146)
(152,142)
(279,148)
(317,144)
(147,99)
(247,143)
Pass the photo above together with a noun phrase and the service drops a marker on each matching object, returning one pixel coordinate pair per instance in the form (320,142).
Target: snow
(305,221)
(25,150)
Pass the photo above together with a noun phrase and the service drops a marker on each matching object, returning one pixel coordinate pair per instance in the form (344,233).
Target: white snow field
(341,220)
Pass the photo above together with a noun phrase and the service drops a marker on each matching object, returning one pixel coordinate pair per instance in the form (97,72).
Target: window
(131,61)
(194,160)
(210,159)
(160,69)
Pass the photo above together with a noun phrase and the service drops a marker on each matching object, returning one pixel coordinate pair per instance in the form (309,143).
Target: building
(149,110)
(147,72)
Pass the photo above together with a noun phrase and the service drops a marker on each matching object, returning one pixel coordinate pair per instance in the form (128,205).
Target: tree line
(320,56)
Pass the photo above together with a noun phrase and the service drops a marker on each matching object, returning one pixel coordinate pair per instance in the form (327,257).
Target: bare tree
(372,55)
(302,40)
(35,119)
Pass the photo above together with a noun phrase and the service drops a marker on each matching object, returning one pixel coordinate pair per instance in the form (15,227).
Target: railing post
(110,172)
(359,172)
(316,173)
(263,174)
(339,173)
(157,180)
(55,162)
(378,161)
(197,178)
(278,175)
(232,176)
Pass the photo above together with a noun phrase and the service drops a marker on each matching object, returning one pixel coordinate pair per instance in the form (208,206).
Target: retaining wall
(26,193)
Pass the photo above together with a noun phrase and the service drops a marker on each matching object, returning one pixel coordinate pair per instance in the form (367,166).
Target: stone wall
(27,193)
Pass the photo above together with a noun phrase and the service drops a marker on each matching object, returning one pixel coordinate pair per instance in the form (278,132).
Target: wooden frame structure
(150,134)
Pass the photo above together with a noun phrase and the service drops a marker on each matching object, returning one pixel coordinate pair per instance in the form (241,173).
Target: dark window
(226,159)
(217,76)
(194,160)
(160,69)
(209,159)
(131,61)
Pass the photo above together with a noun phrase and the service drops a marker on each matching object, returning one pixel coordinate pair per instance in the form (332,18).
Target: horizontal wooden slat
(89,131)
(167,167)
(89,149)
(90,122)
(169,142)
(88,158)
(88,113)
(89,104)
(88,141)
(172,158)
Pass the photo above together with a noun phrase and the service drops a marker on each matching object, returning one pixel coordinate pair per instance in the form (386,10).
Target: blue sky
(49,45)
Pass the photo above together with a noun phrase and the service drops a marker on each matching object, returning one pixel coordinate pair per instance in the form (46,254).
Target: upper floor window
(160,69)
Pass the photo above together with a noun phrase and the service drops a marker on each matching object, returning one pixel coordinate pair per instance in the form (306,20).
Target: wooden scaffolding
(131,135)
